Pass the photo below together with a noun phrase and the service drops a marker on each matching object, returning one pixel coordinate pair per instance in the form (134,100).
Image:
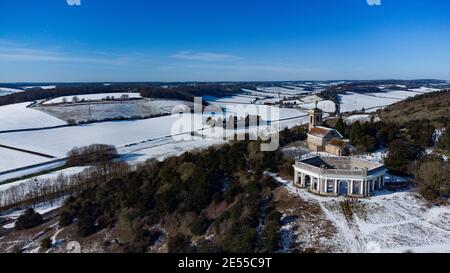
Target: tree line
(179,91)
(188,92)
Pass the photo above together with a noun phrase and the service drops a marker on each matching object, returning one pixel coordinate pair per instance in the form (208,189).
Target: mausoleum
(349,176)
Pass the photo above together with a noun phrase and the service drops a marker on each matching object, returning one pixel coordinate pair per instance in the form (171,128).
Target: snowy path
(348,229)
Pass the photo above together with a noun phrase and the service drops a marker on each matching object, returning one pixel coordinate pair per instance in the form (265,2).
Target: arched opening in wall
(307,181)
(315,182)
(343,187)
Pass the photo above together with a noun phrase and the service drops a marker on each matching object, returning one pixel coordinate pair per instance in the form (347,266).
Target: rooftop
(337,142)
(322,132)
(342,165)
(319,131)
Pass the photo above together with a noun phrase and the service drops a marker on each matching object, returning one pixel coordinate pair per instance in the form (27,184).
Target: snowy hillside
(18,116)
(389,222)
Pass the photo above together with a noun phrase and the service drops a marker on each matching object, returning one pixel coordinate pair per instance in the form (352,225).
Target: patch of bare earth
(305,227)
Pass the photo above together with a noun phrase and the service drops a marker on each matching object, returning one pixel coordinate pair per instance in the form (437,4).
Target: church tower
(315,117)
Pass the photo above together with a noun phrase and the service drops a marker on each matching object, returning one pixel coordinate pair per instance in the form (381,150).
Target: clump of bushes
(432,178)
(200,225)
(271,233)
(46,243)
(180,243)
(93,154)
(29,219)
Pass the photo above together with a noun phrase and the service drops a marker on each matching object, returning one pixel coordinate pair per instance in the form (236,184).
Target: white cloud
(74,2)
(204,56)
(15,53)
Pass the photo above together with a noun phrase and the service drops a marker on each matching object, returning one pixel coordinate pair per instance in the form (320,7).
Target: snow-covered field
(311,99)
(326,106)
(424,89)
(112,109)
(281,90)
(6,91)
(297,88)
(246,99)
(164,148)
(394,94)
(356,102)
(93,97)
(388,222)
(18,116)
(10,159)
(30,171)
(361,118)
(259,93)
(59,141)
(374,101)
(256,109)
(45,87)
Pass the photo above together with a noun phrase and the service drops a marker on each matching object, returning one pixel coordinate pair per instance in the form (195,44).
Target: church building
(323,139)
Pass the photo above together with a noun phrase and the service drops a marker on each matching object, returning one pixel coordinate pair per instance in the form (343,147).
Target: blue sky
(218,40)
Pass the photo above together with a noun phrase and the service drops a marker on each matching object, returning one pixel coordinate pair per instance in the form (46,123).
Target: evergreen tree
(29,219)
(400,157)
(46,243)
(444,140)
(340,126)
(355,133)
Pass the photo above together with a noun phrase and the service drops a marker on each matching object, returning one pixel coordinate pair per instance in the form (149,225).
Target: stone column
(362,187)
(351,187)
(336,187)
(296,178)
(303,180)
